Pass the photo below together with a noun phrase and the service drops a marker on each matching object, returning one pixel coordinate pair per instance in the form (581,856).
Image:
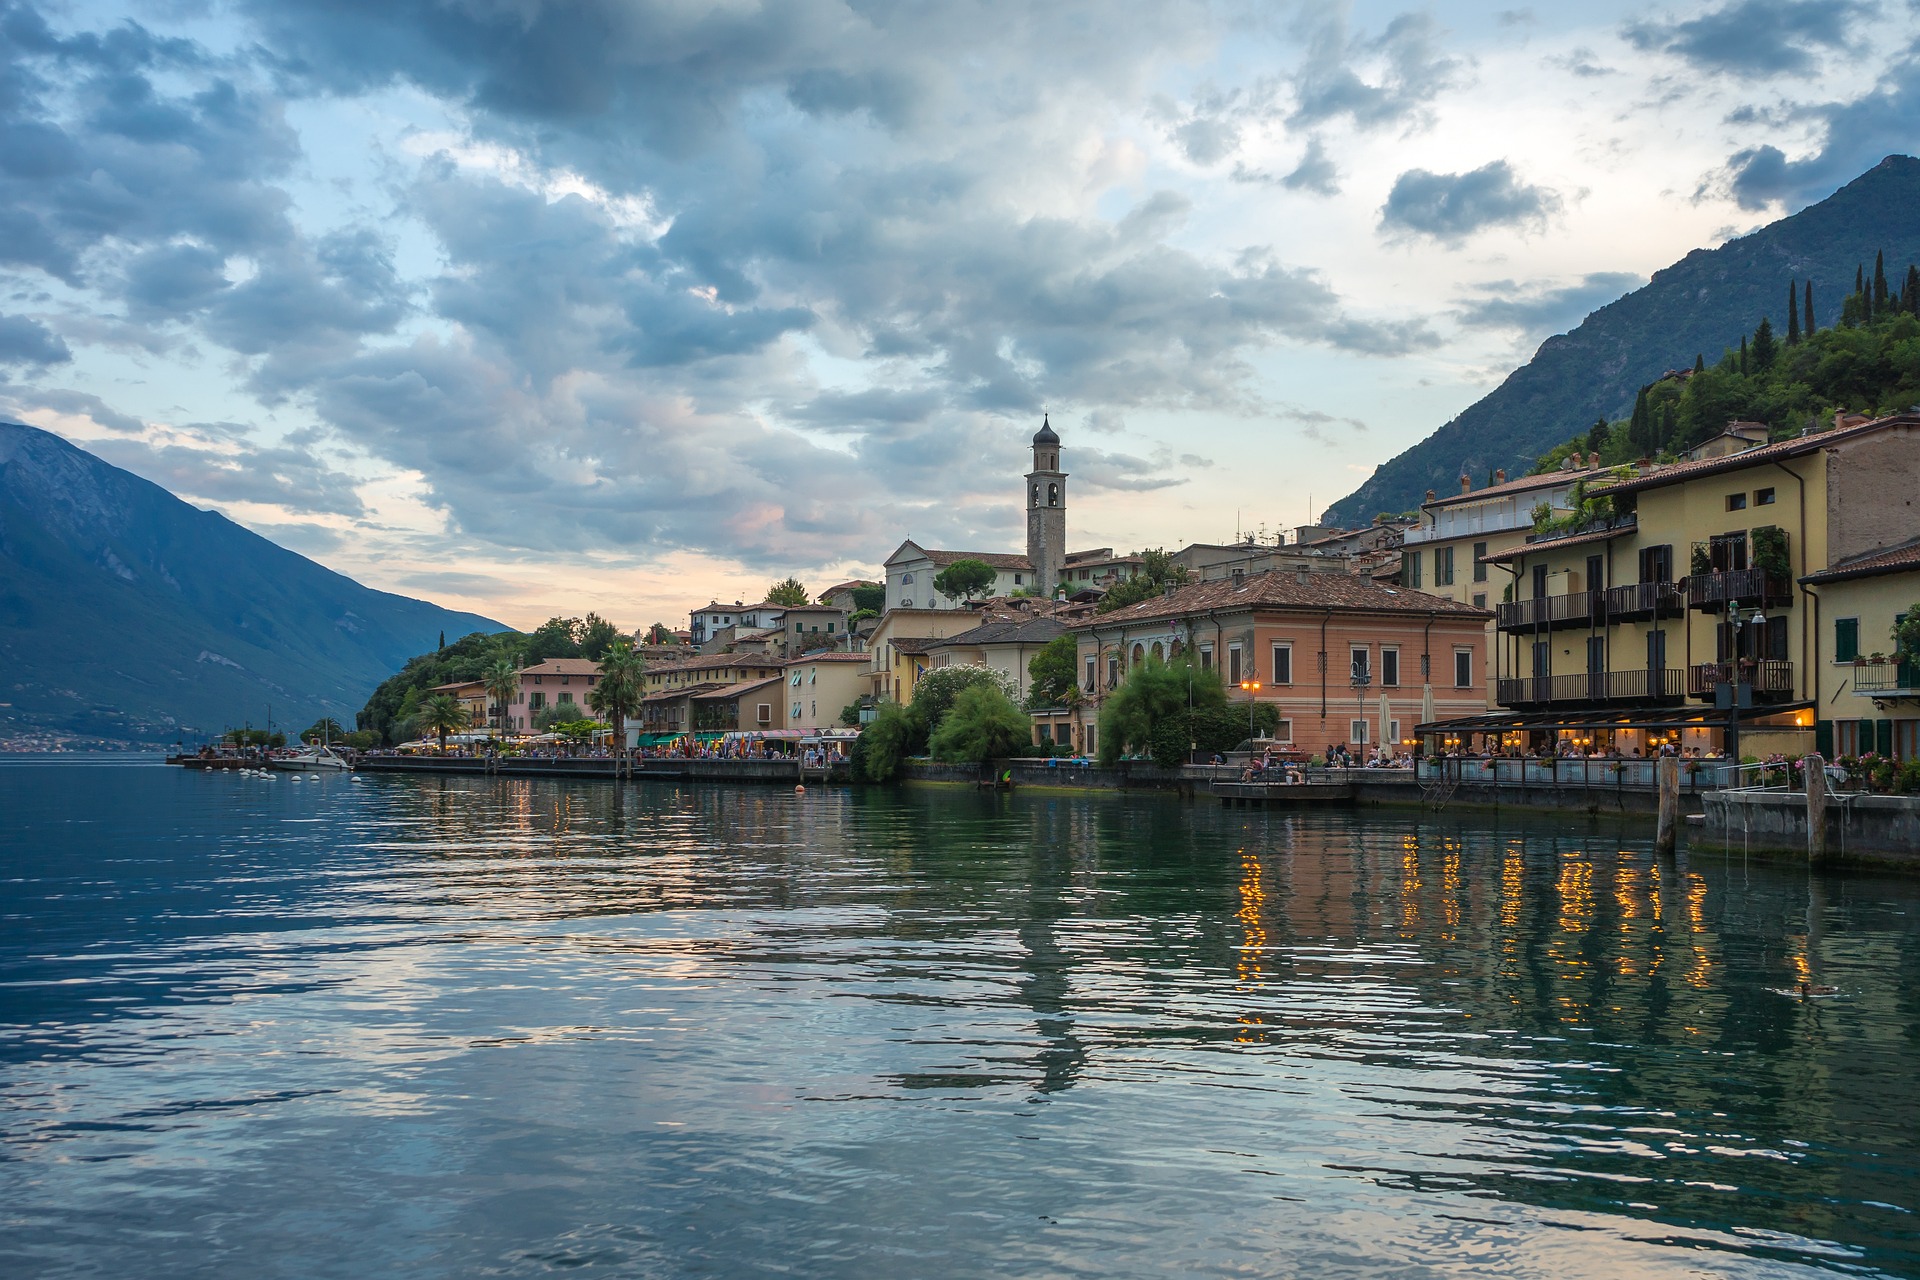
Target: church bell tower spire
(1046,511)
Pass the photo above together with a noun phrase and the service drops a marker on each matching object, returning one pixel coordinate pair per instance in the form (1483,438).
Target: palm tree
(442,714)
(501,681)
(621,687)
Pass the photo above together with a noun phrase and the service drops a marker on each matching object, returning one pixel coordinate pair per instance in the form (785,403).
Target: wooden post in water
(1816,769)
(1667,774)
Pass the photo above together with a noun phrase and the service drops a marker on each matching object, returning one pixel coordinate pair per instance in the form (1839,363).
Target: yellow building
(897,649)
(822,685)
(1869,693)
(1676,610)
(1446,553)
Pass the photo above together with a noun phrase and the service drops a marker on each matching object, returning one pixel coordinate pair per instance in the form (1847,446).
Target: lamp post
(1739,691)
(1252,688)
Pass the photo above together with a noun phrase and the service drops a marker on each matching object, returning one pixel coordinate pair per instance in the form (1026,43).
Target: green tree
(555,638)
(596,637)
(1910,296)
(1597,435)
(1157,571)
(1879,282)
(1806,323)
(581,730)
(618,692)
(870,597)
(1743,355)
(938,689)
(1763,345)
(326,729)
(1906,634)
(965,579)
(1640,425)
(850,716)
(983,724)
(788,592)
(440,715)
(658,633)
(501,682)
(893,735)
(1793,313)
(1155,694)
(1053,676)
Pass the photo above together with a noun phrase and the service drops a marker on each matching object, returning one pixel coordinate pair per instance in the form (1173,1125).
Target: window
(1763,497)
(1113,671)
(1206,657)
(1846,737)
(1283,664)
(1389,668)
(1479,562)
(1463,667)
(1357,732)
(1017,579)
(1093,740)
(1479,599)
(1846,639)
(1443,567)
(1090,672)
(1656,564)
(1393,732)
(1410,570)
(1283,731)
(1360,662)
(1736,502)
(1053,495)
(796,627)
(1234,675)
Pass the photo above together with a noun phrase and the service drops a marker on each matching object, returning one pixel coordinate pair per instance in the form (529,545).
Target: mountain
(1699,306)
(127,615)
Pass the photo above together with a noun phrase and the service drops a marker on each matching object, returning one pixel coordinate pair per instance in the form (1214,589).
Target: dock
(1313,791)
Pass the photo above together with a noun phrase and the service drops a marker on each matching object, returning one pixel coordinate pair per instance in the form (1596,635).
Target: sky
(537,307)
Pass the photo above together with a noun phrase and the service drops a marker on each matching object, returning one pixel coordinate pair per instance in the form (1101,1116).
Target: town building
(553,682)
(1342,659)
(1007,645)
(897,650)
(1868,690)
(911,570)
(669,706)
(1695,610)
(822,685)
(472,697)
(840,595)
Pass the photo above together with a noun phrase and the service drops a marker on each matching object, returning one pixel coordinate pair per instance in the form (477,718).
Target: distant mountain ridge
(1699,306)
(128,615)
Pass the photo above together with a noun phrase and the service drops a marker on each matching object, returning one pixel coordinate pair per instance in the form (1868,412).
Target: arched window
(1139,654)
(1036,495)
(1158,653)
(1053,495)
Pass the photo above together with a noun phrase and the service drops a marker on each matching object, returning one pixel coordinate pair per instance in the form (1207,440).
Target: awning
(1655,717)
(656,739)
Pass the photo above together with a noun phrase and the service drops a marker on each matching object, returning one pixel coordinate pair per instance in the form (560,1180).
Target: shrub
(1907,780)
(895,733)
(1154,694)
(939,688)
(983,724)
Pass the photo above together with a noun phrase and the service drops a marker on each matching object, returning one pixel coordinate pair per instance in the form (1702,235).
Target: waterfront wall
(760,771)
(1861,828)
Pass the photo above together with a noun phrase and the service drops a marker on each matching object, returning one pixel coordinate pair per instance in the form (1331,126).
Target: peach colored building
(1341,658)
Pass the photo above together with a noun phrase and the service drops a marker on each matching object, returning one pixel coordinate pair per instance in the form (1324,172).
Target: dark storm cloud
(1539,310)
(1858,134)
(1755,37)
(1451,206)
(28,342)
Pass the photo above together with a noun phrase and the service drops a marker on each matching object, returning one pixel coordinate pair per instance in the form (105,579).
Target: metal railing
(1645,600)
(1639,685)
(1577,609)
(1753,587)
(1883,678)
(1766,676)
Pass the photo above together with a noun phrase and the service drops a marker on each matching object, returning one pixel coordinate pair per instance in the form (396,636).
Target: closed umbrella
(1426,705)
(1386,724)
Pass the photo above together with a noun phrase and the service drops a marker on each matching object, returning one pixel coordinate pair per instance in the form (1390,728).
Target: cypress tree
(1793,313)
(1743,355)
(1911,294)
(1639,427)
(1763,348)
(1879,282)
(1806,326)
(1699,363)
(1664,436)
(1859,278)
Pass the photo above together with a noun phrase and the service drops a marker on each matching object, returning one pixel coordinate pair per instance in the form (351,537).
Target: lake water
(388,1026)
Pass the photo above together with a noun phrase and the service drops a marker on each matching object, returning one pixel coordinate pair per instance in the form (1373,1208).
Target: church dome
(1045,434)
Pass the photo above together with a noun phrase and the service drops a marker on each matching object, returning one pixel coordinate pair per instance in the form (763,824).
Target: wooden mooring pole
(1816,770)
(1667,833)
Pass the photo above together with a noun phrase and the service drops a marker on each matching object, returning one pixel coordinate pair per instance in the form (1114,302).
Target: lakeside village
(1750,599)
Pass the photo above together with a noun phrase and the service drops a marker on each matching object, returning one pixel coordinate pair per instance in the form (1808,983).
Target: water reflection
(934,1025)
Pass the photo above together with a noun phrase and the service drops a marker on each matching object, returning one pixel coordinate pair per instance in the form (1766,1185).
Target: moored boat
(312,759)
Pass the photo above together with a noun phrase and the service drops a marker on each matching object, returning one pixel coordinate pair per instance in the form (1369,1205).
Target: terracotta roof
(1283,589)
(1546,480)
(831,656)
(1008,631)
(456,686)
(913,644)
(562,667)
(668,695)
(1554,544)
(1674,472)
(1904,558)
(735,690)
(713,662)
(993,558)
(837,588)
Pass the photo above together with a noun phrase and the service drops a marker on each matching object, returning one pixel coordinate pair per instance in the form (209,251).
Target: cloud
(1408,72)
(1452,206)
(1755,37)
(1123,472)
(1315,172)
(75,404)
(1857,134)
(28,342)
(284,476)
(1538,310)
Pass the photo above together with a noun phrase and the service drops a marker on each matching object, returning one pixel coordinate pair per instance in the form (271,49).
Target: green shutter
(1883,737)
(1846,639)
(1823,738)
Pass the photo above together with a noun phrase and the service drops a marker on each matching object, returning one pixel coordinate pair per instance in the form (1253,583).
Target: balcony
(1657,685)
(1887,679)
(1645,600)
(1551,613)
(1753,588)
(1770,678)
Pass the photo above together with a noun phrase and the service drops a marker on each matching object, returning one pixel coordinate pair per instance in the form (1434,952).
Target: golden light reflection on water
(1410,884)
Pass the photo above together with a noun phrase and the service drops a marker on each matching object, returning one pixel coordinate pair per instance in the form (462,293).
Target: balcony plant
(1770,551)
(1906,633)
(1701,562)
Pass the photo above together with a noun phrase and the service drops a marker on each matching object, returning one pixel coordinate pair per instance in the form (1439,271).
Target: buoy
(799,790)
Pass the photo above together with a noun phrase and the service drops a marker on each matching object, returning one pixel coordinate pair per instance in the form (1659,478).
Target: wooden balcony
(1753,588)
(1645,600)
(1769,678)
(1601,687)
(1551,613)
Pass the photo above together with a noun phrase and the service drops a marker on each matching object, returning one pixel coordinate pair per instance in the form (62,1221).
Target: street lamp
(1253,689)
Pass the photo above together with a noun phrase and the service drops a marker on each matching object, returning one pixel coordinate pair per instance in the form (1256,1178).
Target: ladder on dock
(1438,791)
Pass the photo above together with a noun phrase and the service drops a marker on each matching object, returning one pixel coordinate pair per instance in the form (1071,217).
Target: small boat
(314,759)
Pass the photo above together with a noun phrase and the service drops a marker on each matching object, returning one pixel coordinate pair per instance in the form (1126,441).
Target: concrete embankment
(655,770)
(1859,828)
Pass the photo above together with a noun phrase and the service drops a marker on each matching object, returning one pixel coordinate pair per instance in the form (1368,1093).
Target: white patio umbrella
(1386,723)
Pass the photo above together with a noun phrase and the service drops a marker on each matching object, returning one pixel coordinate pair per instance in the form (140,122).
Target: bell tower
(1046,511)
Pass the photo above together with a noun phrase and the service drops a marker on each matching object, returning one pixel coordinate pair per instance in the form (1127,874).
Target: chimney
(1466,484)
(1167,589)
(1431,495)
(1239,579)
(1500,475)
(1570,464)
(1305,575)
(1644,465)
